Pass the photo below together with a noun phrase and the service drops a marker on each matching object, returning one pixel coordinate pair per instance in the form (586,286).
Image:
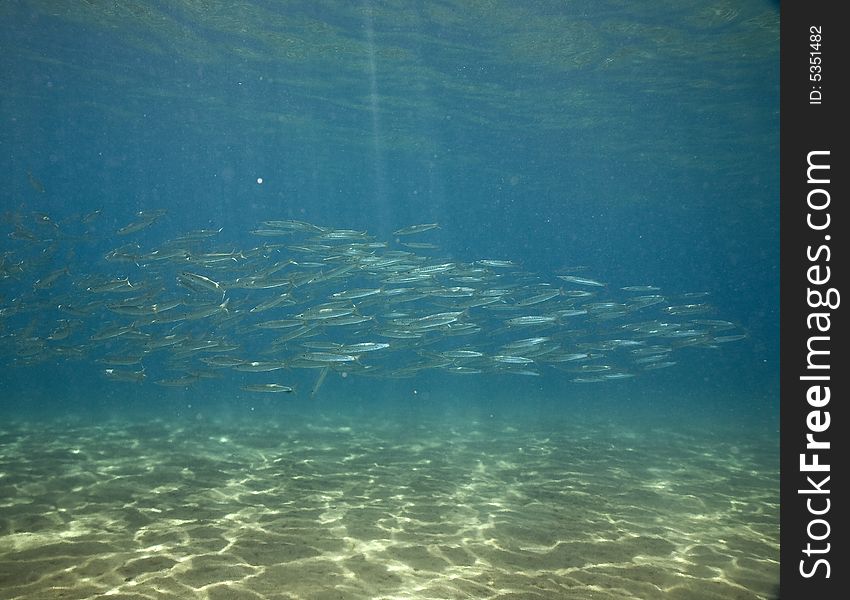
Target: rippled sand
(337,507)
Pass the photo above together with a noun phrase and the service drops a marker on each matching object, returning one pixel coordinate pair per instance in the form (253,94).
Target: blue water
(628,143)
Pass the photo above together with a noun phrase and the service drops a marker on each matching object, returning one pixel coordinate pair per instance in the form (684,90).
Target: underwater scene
(389,300)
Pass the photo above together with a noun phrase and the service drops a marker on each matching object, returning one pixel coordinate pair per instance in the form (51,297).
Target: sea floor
(354,507)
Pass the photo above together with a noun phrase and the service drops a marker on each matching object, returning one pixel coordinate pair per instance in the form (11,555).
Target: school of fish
(303,296)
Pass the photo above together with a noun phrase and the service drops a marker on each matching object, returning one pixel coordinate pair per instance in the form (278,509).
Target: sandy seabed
(355,508)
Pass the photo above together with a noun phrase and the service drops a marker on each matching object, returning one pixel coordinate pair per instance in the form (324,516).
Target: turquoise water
(234,367)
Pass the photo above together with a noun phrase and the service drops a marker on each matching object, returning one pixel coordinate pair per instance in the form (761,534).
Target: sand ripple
(338,508)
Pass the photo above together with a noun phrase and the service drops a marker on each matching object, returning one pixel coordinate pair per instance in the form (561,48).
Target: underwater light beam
(374,108)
